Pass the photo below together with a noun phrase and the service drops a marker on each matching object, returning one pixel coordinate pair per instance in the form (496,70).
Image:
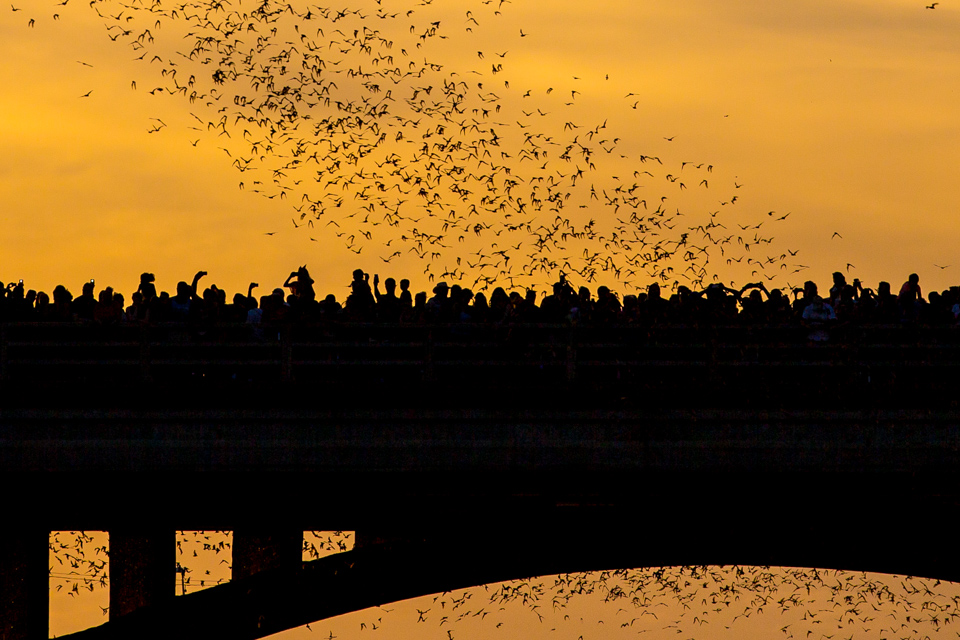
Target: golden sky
(842,114)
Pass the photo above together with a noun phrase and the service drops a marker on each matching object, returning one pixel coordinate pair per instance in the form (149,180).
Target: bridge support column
(24,584)
(142,569)
(256,551)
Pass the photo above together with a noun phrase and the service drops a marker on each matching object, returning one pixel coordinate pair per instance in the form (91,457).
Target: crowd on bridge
(297,301)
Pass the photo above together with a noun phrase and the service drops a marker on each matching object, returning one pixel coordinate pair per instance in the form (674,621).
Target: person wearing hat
(301,285)
(437,305)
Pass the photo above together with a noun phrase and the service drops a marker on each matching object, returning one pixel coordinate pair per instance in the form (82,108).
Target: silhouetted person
(106,310)
(607,309)
(839,282)
(529,311)
(273,307)
(132,313)
(62,300)
(655,308)
(480,310)
(330,309)
(83,305)
(185,305)
(44,310)
(406,299)
(418,313)
(910,299)
(778,307)
(388,304)
(817,316)
(437,308)
(499,301)
(753,308)
(887,307)
(810,294)
(556,307)
(360,305)
(301,284)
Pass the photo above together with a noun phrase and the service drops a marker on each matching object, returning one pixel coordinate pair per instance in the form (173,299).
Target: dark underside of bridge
(476,474)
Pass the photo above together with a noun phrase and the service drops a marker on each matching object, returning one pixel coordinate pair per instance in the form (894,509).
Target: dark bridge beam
(274,601)
(255,551)
(141,568)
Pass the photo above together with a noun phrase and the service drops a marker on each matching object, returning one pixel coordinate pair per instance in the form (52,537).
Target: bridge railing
(444,353)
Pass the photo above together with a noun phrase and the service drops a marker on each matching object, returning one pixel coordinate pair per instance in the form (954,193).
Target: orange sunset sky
(841,114)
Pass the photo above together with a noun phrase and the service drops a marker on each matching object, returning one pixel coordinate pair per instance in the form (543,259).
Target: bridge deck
(726,445)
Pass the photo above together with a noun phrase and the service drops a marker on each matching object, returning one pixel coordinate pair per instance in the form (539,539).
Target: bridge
(463,456)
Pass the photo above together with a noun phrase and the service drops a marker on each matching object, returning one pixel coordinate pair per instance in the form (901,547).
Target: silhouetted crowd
(296,301)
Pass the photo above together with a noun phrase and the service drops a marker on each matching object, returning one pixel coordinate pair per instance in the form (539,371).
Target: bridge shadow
(400,569)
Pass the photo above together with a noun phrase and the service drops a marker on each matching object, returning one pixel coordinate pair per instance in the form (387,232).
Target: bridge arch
(277,600)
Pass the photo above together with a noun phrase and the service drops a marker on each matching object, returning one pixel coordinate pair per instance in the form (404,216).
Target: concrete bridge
(457,471)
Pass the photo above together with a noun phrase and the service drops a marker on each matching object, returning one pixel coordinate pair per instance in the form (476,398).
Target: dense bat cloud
(403,128)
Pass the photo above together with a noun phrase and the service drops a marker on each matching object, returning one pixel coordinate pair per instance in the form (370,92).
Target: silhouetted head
(390,285)
(838,279)
(809,289)
(653,291)
(715,291)
(913,279)
(61,295)
(358,274)
(88,289)
(404,284)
